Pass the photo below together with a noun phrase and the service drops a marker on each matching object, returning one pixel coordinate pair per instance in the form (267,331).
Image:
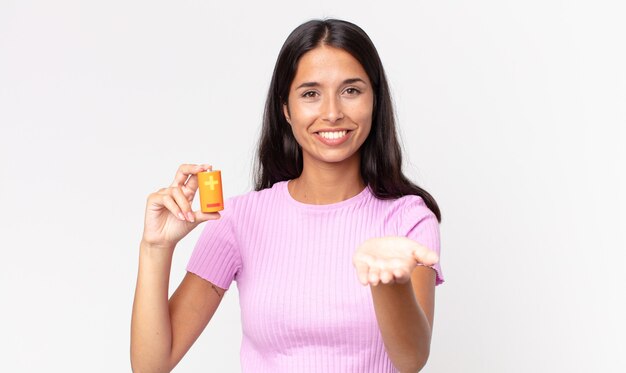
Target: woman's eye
(352,91)
(309,94)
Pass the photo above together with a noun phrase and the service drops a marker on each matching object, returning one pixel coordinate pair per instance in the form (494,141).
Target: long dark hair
(279,154)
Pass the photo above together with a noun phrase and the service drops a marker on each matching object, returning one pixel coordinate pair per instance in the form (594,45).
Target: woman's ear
(286,113)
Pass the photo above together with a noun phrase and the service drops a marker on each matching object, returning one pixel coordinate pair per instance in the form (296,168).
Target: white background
(512,115)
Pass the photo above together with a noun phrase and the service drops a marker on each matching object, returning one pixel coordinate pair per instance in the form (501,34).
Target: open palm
(390,260)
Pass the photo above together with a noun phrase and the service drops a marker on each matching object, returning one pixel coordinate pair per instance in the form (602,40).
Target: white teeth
(333,135)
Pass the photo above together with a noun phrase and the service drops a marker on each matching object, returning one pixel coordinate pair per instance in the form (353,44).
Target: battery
(211,194)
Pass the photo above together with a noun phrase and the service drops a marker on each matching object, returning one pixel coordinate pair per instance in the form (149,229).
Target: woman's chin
(335,159)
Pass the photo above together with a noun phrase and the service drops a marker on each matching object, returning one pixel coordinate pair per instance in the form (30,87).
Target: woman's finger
(374,276)
(183,172)
(386,277)
(361,270)
(425,256)
(162,191)
(191,186)
(401,276)
(183,203)
(201,217)
(159,200)
(172,206)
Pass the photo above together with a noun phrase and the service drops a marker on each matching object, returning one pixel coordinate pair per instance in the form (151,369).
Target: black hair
(279,156)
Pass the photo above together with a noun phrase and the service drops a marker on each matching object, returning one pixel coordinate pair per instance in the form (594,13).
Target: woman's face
(330,105)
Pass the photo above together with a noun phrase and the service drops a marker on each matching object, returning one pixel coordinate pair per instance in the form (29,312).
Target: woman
(332,213)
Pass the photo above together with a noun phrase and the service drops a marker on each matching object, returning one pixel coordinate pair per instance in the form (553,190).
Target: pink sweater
(302,306)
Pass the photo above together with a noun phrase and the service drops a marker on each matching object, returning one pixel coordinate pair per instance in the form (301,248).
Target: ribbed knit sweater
(302,306)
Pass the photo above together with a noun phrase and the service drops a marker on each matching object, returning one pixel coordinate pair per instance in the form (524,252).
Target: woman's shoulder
(409,207)
(410,201)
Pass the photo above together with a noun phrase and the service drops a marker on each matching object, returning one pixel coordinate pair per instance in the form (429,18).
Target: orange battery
(210,187)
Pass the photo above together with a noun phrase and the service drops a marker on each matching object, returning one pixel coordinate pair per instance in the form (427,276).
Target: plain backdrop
(511,113)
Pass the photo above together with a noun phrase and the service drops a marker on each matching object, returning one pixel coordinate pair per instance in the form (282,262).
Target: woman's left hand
(390,260)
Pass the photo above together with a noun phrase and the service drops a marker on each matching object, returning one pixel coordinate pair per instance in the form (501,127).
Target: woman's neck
(324,183)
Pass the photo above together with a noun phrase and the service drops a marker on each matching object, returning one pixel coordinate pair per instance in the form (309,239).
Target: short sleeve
(421,225)
(216,256)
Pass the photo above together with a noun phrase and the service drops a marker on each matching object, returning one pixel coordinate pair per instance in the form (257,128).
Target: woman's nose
(331,109)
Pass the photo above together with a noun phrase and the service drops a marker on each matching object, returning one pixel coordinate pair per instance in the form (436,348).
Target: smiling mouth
(333,138)
(332,135)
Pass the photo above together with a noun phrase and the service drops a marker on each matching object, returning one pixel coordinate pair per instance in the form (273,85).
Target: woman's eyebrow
(316,84)
(354,80)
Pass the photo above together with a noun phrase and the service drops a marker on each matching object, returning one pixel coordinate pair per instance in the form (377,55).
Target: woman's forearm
(151,335)
(404,327)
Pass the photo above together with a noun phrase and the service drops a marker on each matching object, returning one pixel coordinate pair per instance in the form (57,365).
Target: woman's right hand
(169,216)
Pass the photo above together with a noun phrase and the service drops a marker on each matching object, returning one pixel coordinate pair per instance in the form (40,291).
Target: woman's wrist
(152,248)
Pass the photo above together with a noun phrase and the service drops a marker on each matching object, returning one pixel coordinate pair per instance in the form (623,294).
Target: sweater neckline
(331,206)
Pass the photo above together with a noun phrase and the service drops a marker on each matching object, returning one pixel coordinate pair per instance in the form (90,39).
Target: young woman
(335,253)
